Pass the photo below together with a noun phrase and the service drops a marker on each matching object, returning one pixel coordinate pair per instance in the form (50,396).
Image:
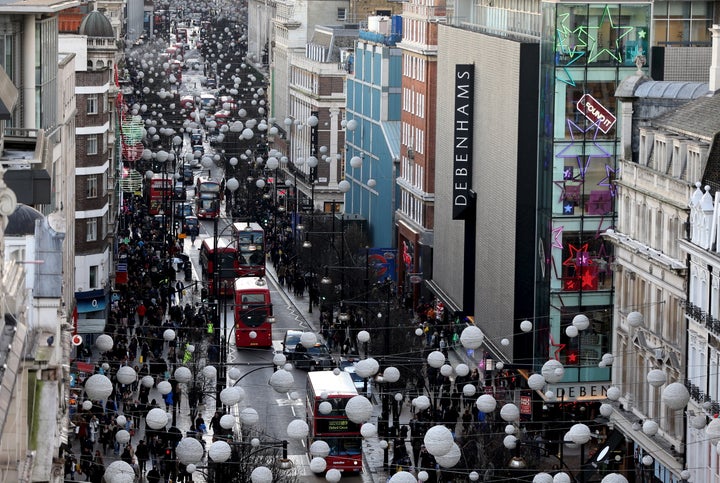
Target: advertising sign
(596,113)
(462,139)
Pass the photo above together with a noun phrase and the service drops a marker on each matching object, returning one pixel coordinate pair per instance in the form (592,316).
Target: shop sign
(580,392)
(525,405)
(596,113)
(462,139)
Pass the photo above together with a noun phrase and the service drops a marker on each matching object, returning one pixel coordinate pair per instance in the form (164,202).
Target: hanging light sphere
(219,451)
(510,429)
(308,339)
(438,440)
(232,184)
(510,441)
(126,375)
(333,475)
(526,326)
(606,410)
(363,336)
(614,393)
(230,396)
(122,436)
(685,475)
(279,359)
(358,409)
(371,182)
(421,402)
(549,371)
(169,335)
(399,396)
(635,319)
(121,421)
(351,125)
(344,186)
(580,433)
(656,377)
(189,450)
(581,322)
(282,381)
(98,387)
(119,472)
(561,477)
(436,359)
(210,372)
(474,476)
(147,381)
(571,331)
(318,465)
(469,390)
(249,417)
(607,359)
(87,405)
(419,332)
(423,475)
(298,429)
(614,478)
(446,370)
(510,413)
(675,396)
(536,381)
(319,448)
(486,403)
(227,421)
(543,478)
(164,387)
(472,337)
(368,430)
(312,162)
(355,162)
(272,163)
(391,374)
(402,477)
(650,427)
(156,418)
(183,375)
(699,421)
(367,367)
(325,407)
(104,343)
(462,370)
(261,474)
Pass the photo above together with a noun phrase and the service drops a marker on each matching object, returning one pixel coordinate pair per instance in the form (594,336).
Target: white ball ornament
(261,474)
(550,395)
(510,413)
(472,337)
(510,441)
(325,407)
(675,396)
(164,387)
(126,375)
(543,477)
(614,393)
(474,476)
(650,427)
(402,477)
(230,396)
(104,342)
(122,420)
(279,359)
(536,381)
(635,319)
(87,405)
(234,373)
(98,387)
(282,381)
(122,436)
(358,409)
(227,421)
(685,475)
(505,342)
(561,477)
(699,421)
(438,440)
(183,375)
(462,370)
(656,377)
(119,472)
(581,322)
(436,359)
(614,478)
(367,367)
(308,339)
(249,417)
(219,451)
(368,430)
(419,332)
(446,370)
(169,335)
(526,326)
(423,475)
(297,429)
(391,374)
(580,433)
(606,410)
(451,458)
(499,365)
(571,331)
(647,460)
(510,429)
(421,402)
(318,465)
(712,431)
(608,359)
(319,448)
(363,336)
(333,475)
(469,390)
(549,371)
(191,468)
(209,372)
(147,381)
(486,403)
(156,418)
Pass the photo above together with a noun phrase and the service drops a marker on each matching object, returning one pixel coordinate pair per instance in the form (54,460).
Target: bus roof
(250,283)
(240,226)
(333,384)
(223,243)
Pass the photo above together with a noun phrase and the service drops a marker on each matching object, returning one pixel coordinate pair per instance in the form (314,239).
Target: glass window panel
(660,9)
(700,10)
(699,30)
(678,30)
(660,31)
(679,10)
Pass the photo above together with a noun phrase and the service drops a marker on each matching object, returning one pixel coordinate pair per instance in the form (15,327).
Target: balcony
(709,406)
(702,318)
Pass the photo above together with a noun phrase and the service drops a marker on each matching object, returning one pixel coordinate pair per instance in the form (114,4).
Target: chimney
(714,82)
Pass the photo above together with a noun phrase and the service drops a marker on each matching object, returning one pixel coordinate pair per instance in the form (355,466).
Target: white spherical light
(571,331)
(121,420)
(319,448)
(249,417)
(446,370)
(183,374)
(419,332)
(368,430)
(472,337)
(536,381)
(367,367)
(169,335)
(510,429)
(423,475)
(635,319)
(561,477)
(510,413)
(656,377)
(699,421)
(230,396)
(462,370)
(119,472)
(580,433)
(505,341)
(210,372)
(234,373)
(227,421)
(297,429)
(87,405)
(543,478)
(98,387)
(647,460)
(606,410)
(486,403)
(607,359)
(391,374)
(156,418)
(436,359)
(219,451)
(358,409)
(469,390)
(122,436)
(308,339)
(282,381)
(333,475)
(581,322)
(402,477)
(614,393)
(147,381)
(104,343)
(675,396)
(510,441)
(438,440)
(363,336)
(451,458)
(614,478)
(344,186)
(712,430)
(526,326)
(318,465)
(279,359)
(164,387)
(550,371)
(650,427)
(325,407)
(261,474)
(126,375)
(421,402)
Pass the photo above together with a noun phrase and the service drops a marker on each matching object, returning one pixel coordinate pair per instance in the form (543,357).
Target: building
(372,140)
(260,30)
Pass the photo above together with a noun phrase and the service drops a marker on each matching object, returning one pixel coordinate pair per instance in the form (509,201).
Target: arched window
(99,64)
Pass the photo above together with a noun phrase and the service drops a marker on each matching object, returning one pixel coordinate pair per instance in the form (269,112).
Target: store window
(682,23)
(587,348)
(586,263)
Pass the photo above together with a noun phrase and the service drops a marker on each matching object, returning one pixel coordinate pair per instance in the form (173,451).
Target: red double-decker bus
(341,434)
(251,243)
(253,313)
(159,194)
(209,194)
(219,265)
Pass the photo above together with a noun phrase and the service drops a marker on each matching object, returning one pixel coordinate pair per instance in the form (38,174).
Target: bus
(251,241)
(226,262)
(341,434)
(160,192)
(253,312)
(209,194)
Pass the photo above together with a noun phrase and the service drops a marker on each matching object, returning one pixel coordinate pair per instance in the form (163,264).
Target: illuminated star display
(571,150)
(570,44)
(593,32)
(558,348)
(607,181)
(579,257)
(557,237)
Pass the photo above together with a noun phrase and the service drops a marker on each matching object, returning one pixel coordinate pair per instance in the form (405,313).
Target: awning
(93,305)
(91,326)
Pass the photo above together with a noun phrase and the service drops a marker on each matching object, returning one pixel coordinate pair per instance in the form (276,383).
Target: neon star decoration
(570,151)
(622,31)
(558,348)
(557,237)
(571,44)
(607,181)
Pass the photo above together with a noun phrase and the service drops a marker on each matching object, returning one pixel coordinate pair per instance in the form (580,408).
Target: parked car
(317,356)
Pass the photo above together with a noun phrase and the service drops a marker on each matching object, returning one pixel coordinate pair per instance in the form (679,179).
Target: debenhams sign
(462,139)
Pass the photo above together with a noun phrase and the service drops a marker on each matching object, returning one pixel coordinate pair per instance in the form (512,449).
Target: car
(182,210)
(191,226)
(179,191)
(199,147)
(317,356)
(188,177)
(196,137)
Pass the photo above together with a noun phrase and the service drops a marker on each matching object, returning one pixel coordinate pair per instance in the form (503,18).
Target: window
(92,105)
(92,186)
(92,145)
(682,23)
(341,14)
(93,276)
(91,234)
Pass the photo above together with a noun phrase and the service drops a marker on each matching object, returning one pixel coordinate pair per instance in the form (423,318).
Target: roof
(95,24)
(18,7)
(697,118)
(391,131)
(340,384)
(672,90)
(22,221)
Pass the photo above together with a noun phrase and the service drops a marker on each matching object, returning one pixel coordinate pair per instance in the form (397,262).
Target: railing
(700,316)
(701,398)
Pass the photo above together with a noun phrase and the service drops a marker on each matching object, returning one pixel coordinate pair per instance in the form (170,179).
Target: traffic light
(204,293)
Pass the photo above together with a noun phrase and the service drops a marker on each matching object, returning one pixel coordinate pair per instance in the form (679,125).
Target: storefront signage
(580,392)
(596,113)
(525,405)
(462,139)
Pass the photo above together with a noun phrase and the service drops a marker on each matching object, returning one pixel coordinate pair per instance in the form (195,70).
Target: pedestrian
(127,454)
(153,476)
(142,453)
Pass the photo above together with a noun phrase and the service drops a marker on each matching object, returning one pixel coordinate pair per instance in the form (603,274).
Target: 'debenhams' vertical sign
(462,138)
